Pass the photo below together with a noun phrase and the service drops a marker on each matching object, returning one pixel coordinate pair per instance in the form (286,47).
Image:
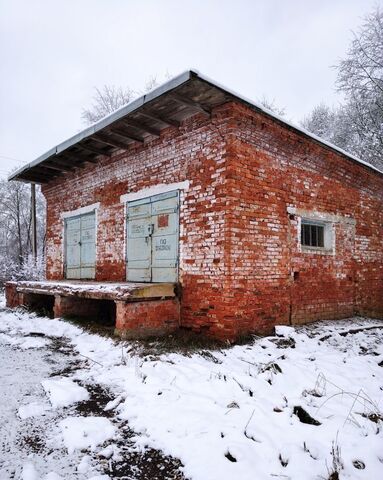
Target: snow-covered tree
(271,105)
(16,231)
(110,98)
(105,101)
(357,124)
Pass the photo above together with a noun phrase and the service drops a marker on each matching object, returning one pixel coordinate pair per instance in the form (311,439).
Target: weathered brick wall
(195,152)
(241,268)
(272,171)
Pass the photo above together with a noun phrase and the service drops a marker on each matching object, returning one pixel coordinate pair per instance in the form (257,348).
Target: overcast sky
(54,52)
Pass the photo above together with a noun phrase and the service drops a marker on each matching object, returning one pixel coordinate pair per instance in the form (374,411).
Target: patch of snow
(29,472)
(53,476)
(284,331)
(24,342)
(180,404)
(100,477)
(86,432)
(113,404)
(63,392)
(32,409)
(83,466)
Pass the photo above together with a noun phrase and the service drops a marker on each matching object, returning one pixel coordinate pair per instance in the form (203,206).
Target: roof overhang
(143,119)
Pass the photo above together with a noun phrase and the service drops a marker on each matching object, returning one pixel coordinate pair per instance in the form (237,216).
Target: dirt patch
(98,399)
(96,325)
(359,465)
(373,417)
(283,342)
(271,367)
(210,357)
(148,465)
(61,345)
(69,369)
(182,341)
(32,443)
(230,457)
(35,334)
(304,416)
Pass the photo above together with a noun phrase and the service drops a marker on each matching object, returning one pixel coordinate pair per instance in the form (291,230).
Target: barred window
(312,234)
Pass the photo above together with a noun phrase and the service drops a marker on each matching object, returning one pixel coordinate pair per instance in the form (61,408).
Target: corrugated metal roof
(166,105)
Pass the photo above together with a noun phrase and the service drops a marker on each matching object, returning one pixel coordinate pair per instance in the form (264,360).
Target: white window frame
(328,220)
(328,235)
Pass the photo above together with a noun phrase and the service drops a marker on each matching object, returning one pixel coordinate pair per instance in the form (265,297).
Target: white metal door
(152,238)
(73,250)
(80,255)
(139,241)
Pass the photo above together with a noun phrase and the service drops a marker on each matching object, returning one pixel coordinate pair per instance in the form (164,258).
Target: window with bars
(312,234)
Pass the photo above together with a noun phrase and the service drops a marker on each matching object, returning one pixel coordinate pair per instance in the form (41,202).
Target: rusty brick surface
(145,319)
(241,268)
(12,296)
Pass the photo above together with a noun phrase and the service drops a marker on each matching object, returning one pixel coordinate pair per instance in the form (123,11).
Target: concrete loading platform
(138,309)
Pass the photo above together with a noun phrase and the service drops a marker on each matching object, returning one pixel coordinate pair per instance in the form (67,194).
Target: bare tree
(271,105)
(106,100)
(357,124)
(360,78)
(15,229)
(110,98)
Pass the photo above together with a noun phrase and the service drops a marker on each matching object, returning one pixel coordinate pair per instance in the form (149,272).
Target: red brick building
(252,220)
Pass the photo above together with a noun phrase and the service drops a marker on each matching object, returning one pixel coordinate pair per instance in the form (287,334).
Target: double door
(152,238)
(80,247)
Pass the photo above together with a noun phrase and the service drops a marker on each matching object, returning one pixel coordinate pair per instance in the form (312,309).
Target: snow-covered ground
(237,413)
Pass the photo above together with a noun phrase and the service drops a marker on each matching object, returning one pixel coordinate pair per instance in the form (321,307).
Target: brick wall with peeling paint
(241,266)
(195,152)
(274,178)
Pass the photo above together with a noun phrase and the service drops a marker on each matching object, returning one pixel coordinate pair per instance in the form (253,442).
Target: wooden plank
(75,161)
(129,122)
(154,290)
(126,135)
(128,291)
(101,137)
(54,166)
(190,103)
(89,148)
(159,118)
(32,176)
(45,173)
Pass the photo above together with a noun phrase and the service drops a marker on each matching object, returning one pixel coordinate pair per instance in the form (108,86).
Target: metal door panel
(152,238)
(139,227)
(80,254)
(73,251)
(139,208)
(165,274)
(165,240)
(139,259)
(88,244)
(138,242)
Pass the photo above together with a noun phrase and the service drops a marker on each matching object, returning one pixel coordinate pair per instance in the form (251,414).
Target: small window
(312,234)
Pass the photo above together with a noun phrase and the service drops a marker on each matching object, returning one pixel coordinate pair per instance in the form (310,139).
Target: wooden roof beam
(190,103)
(91,149)
(60,165)
(101,137)
(57,167)
(159,118)
(140,126)
(126,135)
(75,161)
(35,177)
(49,168)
